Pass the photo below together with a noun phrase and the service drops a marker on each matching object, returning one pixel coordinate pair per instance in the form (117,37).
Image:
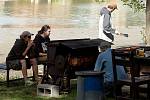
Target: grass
(17,91)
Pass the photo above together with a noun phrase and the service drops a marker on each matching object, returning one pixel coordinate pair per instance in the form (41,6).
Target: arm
(100,66)
(107,24)
(99,63)
(38,46)
(30,43)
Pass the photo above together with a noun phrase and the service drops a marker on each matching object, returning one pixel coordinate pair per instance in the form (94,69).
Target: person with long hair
(41,41)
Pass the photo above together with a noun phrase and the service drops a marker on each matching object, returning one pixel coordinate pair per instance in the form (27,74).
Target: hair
(112,6)
(44,29)
(22,37)
(105,45)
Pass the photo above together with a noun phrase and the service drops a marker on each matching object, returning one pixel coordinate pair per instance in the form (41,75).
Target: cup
(140,52)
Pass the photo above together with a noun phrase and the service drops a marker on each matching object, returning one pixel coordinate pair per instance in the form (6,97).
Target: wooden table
(139,62)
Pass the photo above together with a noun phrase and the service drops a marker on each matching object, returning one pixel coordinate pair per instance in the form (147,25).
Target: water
(68,19)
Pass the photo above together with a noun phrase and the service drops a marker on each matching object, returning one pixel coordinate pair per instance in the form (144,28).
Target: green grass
(17,91)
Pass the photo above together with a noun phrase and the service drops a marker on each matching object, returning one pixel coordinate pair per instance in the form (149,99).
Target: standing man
(105,27)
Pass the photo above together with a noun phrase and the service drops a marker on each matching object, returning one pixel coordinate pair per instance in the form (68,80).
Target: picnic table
(139,61)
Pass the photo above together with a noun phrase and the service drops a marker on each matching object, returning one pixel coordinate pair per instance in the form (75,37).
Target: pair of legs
(33,62)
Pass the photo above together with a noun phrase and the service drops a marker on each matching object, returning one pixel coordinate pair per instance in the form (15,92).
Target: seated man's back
(104,63)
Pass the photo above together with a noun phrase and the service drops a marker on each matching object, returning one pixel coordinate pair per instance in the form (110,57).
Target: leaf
(136,5)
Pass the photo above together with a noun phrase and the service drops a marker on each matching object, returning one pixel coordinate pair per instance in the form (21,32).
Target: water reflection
(60,13)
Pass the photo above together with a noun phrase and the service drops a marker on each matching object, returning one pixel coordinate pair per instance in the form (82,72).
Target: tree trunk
(148,21)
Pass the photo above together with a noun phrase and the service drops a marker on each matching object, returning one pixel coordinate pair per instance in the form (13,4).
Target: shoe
(28,83)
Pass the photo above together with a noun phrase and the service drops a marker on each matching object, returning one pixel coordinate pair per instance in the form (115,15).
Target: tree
(138,5)
(148,21)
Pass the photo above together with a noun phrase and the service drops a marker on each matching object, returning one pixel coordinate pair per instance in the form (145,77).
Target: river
(69,19)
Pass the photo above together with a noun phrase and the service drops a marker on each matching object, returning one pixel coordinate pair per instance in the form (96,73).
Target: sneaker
(28,83)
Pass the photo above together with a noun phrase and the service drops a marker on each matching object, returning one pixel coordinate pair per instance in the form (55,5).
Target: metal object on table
(67,56)
(140,52)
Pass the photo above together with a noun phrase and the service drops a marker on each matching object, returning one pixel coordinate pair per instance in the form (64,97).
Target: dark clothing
(107,25)
(17,50)
(41,44)
(15,55)
(110,36)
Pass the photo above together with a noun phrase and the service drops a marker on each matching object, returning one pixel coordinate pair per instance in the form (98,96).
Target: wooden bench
(4,67)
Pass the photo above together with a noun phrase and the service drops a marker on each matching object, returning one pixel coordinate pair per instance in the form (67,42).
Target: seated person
(41,41)
(22,48)
(104,63)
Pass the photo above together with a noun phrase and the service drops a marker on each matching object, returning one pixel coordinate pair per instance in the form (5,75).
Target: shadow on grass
(17,91)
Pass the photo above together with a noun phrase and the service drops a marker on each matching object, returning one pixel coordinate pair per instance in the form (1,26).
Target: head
(104,46)
(26,36)
(112,7)
(45,30)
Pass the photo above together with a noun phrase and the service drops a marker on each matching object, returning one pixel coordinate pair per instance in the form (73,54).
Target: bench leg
(44,69)
(148,91)
(33,78)
(7,78)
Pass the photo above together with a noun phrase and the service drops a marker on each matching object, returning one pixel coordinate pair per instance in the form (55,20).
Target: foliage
(143,33)
(136,5)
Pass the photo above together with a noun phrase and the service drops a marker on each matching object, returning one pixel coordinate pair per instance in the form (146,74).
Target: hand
(125,35)
(119,33)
